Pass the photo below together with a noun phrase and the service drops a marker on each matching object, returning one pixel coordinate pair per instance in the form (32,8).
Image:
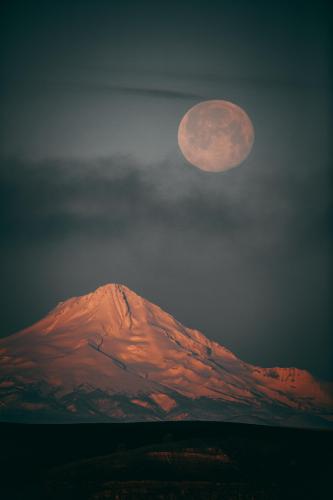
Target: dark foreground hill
(166,460)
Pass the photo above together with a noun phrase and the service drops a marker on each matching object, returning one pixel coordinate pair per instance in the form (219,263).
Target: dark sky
(95,190)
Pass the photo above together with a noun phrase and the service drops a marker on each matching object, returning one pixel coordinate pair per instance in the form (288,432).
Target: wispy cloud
(83,85)
(117,195)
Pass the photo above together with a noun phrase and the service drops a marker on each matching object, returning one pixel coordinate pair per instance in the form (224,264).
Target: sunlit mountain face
(111,355)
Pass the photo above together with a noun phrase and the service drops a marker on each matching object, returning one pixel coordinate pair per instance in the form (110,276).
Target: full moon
(215,135)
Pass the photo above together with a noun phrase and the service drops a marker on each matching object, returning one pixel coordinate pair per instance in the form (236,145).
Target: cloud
(153,92)
(110,196)
(83,85)
(114,196)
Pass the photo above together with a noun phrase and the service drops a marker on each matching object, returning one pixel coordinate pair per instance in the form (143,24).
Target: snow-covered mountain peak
(112,290)
(113,303)
(113,353)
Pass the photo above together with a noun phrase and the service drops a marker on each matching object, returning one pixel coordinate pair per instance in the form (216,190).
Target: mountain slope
(113,355)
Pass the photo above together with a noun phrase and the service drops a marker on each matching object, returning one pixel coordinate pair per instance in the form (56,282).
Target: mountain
(111,355)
